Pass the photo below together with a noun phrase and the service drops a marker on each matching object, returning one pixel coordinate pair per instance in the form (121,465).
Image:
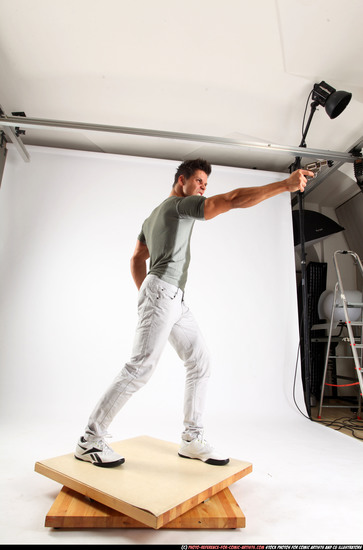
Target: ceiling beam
(13,136)
(33,123)
(16,141)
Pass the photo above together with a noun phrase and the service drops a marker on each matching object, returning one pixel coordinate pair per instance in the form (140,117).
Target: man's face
(196,184)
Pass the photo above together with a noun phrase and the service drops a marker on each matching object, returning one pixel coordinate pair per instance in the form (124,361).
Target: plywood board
(153,486)
(73,510)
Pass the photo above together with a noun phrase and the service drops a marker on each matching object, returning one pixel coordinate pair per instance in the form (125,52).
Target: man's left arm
(138,263)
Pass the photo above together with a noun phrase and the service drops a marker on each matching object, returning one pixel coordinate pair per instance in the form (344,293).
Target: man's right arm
(250,196)
(138,263)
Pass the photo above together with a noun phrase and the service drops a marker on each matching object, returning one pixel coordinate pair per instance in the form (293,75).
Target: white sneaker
(96,450)
(199,449)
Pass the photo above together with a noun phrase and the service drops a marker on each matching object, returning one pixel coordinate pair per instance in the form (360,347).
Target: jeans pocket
(167,293)
(159,290)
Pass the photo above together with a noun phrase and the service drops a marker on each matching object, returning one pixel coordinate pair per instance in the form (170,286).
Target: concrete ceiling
(239,68)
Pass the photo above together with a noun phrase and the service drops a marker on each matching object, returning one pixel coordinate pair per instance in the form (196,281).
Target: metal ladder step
(349,304)
(341,357)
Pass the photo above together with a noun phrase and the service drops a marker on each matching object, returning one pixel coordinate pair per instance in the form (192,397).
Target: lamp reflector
(337,102)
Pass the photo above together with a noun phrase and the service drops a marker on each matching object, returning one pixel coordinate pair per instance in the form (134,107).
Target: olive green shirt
(167,233)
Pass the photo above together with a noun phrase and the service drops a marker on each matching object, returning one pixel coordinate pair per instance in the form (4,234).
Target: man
(163,314)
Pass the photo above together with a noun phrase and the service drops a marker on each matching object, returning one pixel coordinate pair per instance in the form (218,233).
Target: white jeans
(163,315)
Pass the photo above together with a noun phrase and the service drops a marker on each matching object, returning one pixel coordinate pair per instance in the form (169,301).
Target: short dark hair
(188,167)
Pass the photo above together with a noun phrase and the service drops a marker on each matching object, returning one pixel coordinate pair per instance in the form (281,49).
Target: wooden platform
(154,486)
(71,510)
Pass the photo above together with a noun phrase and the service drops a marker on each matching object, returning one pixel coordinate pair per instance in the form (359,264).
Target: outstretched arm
(138,263)
(250,196)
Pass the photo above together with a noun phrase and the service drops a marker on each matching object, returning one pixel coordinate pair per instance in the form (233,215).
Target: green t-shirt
(167,232)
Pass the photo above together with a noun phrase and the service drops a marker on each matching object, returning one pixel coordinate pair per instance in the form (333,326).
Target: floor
(345,420)
(306,486)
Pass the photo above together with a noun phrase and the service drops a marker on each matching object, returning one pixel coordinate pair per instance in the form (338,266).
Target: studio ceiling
(239,69)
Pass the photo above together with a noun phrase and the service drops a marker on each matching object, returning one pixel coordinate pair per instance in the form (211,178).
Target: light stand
(334,103)
(305,348)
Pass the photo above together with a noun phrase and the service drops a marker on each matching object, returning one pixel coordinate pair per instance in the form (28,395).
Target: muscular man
(163,313)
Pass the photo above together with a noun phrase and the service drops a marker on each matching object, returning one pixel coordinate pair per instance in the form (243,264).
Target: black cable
(346,423)
(306,108)
(294,385)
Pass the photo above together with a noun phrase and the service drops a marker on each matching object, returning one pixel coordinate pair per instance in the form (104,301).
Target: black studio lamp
(328,97)
(334,103)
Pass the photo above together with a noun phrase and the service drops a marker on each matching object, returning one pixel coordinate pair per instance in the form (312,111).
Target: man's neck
(176,192)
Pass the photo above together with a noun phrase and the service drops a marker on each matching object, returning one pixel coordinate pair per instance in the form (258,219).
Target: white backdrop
(69,223)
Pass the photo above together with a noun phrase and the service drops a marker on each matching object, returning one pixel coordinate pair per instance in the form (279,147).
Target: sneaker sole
(103,464)
(212,461)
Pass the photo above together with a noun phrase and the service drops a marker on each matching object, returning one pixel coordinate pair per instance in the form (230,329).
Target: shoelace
(204,443)
(103,445)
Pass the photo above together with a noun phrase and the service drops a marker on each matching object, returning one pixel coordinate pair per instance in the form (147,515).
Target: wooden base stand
(153,488)
(72,510)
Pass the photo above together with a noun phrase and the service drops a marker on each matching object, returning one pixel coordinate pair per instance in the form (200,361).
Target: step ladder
(355,343)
